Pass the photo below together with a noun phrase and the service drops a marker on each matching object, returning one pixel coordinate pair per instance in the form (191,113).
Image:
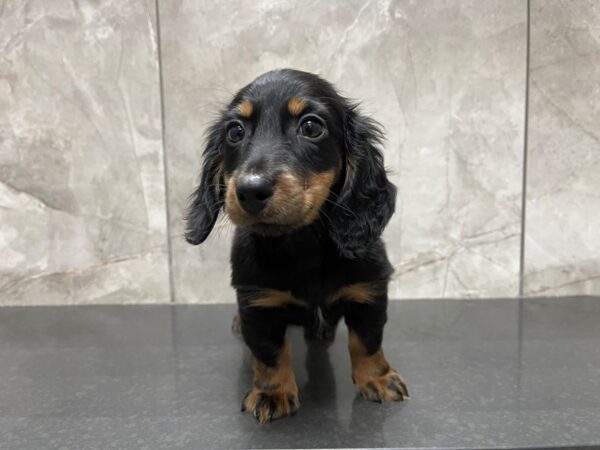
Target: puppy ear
(208,198)
(367,198)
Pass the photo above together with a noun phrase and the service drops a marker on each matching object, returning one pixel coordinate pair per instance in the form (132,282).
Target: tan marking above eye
(296,105)
(273,298)
(245,108)
(357,292)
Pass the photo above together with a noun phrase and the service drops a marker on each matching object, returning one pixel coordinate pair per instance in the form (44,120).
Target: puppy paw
(266,406)
(382,387)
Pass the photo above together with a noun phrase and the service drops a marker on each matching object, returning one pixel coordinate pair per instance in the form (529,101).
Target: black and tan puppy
(298,171)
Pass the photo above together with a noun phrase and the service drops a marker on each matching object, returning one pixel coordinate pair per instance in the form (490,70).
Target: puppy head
(289,151)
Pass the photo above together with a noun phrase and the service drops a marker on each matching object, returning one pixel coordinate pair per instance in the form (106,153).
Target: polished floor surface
(481,373)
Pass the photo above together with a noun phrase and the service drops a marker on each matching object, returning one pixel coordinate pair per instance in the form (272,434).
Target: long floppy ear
(207,199)
(367,198)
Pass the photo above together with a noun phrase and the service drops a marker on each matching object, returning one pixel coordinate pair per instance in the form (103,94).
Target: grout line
(523,209)
(523,205)
(164,149)
(525,151)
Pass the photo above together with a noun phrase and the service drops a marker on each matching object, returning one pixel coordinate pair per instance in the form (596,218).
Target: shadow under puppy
(298,171)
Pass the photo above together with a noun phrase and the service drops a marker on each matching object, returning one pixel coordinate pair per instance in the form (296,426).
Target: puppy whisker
(342,207)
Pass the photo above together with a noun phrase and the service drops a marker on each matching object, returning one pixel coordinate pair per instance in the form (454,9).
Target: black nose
(253,192)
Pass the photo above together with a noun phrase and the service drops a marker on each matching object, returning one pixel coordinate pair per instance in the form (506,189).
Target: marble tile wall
(83,216)
(562,238)
(445,78)
(82,194)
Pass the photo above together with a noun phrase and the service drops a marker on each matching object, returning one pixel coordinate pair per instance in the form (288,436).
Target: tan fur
(272,298)
(285,207)
(245,108)
(295,202)
(296,105)
(317,192)
(277,383)
(372,374)
(358,292)
(233,207)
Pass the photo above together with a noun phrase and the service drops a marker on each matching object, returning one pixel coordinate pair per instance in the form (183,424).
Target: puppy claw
(292,401)
(387,387)
(394,387)
(373,393)
(269,406)
(243,409)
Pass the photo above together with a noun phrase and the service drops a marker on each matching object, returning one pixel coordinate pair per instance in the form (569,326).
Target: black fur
(207,200)
(367,200)
(342,246)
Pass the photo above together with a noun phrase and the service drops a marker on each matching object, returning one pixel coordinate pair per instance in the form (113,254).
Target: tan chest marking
(273,298)
(357,292)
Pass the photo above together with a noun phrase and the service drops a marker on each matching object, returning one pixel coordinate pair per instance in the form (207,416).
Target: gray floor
(482,374)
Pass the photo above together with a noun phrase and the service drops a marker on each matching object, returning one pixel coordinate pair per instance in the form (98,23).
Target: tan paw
(383,387)
(266,406)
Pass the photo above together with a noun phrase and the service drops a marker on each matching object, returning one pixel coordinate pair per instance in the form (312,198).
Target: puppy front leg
(274,393)
(375,379)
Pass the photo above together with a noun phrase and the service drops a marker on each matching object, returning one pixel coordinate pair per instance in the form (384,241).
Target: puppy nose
(253,192)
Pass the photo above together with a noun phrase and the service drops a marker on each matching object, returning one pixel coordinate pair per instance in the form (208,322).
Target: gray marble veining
(82,182)
(482,374)
(562,244)
(82,196)
(446,79)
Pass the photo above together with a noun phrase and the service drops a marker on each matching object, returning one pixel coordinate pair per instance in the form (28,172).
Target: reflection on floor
(481,373)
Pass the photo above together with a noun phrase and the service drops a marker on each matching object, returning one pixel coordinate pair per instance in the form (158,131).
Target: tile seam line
(525,154)
(164,152)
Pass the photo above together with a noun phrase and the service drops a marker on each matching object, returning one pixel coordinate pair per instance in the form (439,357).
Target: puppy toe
(269,406)
(387,387)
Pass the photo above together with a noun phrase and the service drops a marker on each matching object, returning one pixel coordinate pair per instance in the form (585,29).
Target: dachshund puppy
(298,170)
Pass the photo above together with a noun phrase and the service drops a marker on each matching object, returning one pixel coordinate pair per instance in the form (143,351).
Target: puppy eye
(311,127)
(235,132)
